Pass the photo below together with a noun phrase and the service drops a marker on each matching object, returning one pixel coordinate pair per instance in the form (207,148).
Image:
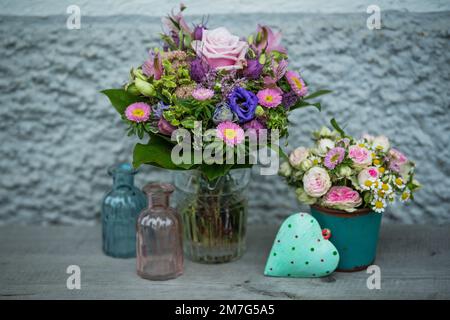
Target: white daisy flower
(399,183)
(406,195)
(385,187)
(376,184)
(363,144)
(368,184)
(378,205)
(315,160)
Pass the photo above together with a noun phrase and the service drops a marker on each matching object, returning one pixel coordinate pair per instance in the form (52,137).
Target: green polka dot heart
(299,250)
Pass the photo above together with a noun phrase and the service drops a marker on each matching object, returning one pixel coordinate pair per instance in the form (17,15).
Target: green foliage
(186,111)
(336,127)
(277,119)
(302,104)
(317,94)
(156,152)
(121,99)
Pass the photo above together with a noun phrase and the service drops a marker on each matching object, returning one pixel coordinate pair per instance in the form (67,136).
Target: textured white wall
(58,134)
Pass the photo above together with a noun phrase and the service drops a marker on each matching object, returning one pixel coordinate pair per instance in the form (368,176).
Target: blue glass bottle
(120,209)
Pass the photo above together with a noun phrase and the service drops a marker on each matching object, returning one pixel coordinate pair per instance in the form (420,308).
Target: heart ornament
(301,250)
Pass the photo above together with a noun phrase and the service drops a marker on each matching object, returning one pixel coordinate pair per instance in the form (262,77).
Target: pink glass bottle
(159,247)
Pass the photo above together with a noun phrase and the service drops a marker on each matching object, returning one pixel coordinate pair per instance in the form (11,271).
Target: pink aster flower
(202,94)
(269,98)
(297,84)
(334,157)
(231,133)
(138,112)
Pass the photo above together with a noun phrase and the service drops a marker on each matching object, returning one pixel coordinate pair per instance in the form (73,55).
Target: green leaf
(188,123)
(120,99)
(336,127)
(156,152)
(303,104)
(317,94)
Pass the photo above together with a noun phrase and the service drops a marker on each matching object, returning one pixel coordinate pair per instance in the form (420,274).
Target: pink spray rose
(316,182)
(298,156)
(396,160)
(221,49)
(342,198)
(370,173)
(361,156)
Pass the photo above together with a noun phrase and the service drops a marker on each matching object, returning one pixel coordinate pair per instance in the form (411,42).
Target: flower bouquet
(228,92)
(349,182)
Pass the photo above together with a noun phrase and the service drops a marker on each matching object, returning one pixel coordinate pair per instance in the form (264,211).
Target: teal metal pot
(355,235)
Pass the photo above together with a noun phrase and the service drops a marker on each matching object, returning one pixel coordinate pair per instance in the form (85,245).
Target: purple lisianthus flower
(153,67)
(199,69)
(289,99)
(243,103)
(253,70)
(269,40)
(159,108)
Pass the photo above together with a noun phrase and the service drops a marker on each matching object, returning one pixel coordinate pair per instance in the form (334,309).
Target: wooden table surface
(414,262)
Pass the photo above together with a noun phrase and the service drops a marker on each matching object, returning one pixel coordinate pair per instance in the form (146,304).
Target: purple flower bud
(164,127)
(198,69)
(253,70)
(175,38)
(198,32)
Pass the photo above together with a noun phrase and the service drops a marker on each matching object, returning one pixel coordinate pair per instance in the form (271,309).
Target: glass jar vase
(214,215)
(120,209)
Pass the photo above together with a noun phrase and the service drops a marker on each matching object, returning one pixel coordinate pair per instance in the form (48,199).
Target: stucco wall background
(58,133)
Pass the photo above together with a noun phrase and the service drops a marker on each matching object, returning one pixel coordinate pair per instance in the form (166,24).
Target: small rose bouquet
(344,173)
(210,77)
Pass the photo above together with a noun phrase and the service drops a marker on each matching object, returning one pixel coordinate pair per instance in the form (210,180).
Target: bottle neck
(123,179)
(158,195)
(159,200)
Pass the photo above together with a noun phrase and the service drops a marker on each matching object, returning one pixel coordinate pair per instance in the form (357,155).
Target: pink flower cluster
(342,198)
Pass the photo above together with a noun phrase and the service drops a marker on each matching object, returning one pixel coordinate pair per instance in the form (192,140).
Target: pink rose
(370,173)
(361,156)
(316,182)
(396,160)
(298,156)
(221,49)
(342,198)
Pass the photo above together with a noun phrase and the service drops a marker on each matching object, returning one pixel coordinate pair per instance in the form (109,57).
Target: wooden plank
(414,262)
